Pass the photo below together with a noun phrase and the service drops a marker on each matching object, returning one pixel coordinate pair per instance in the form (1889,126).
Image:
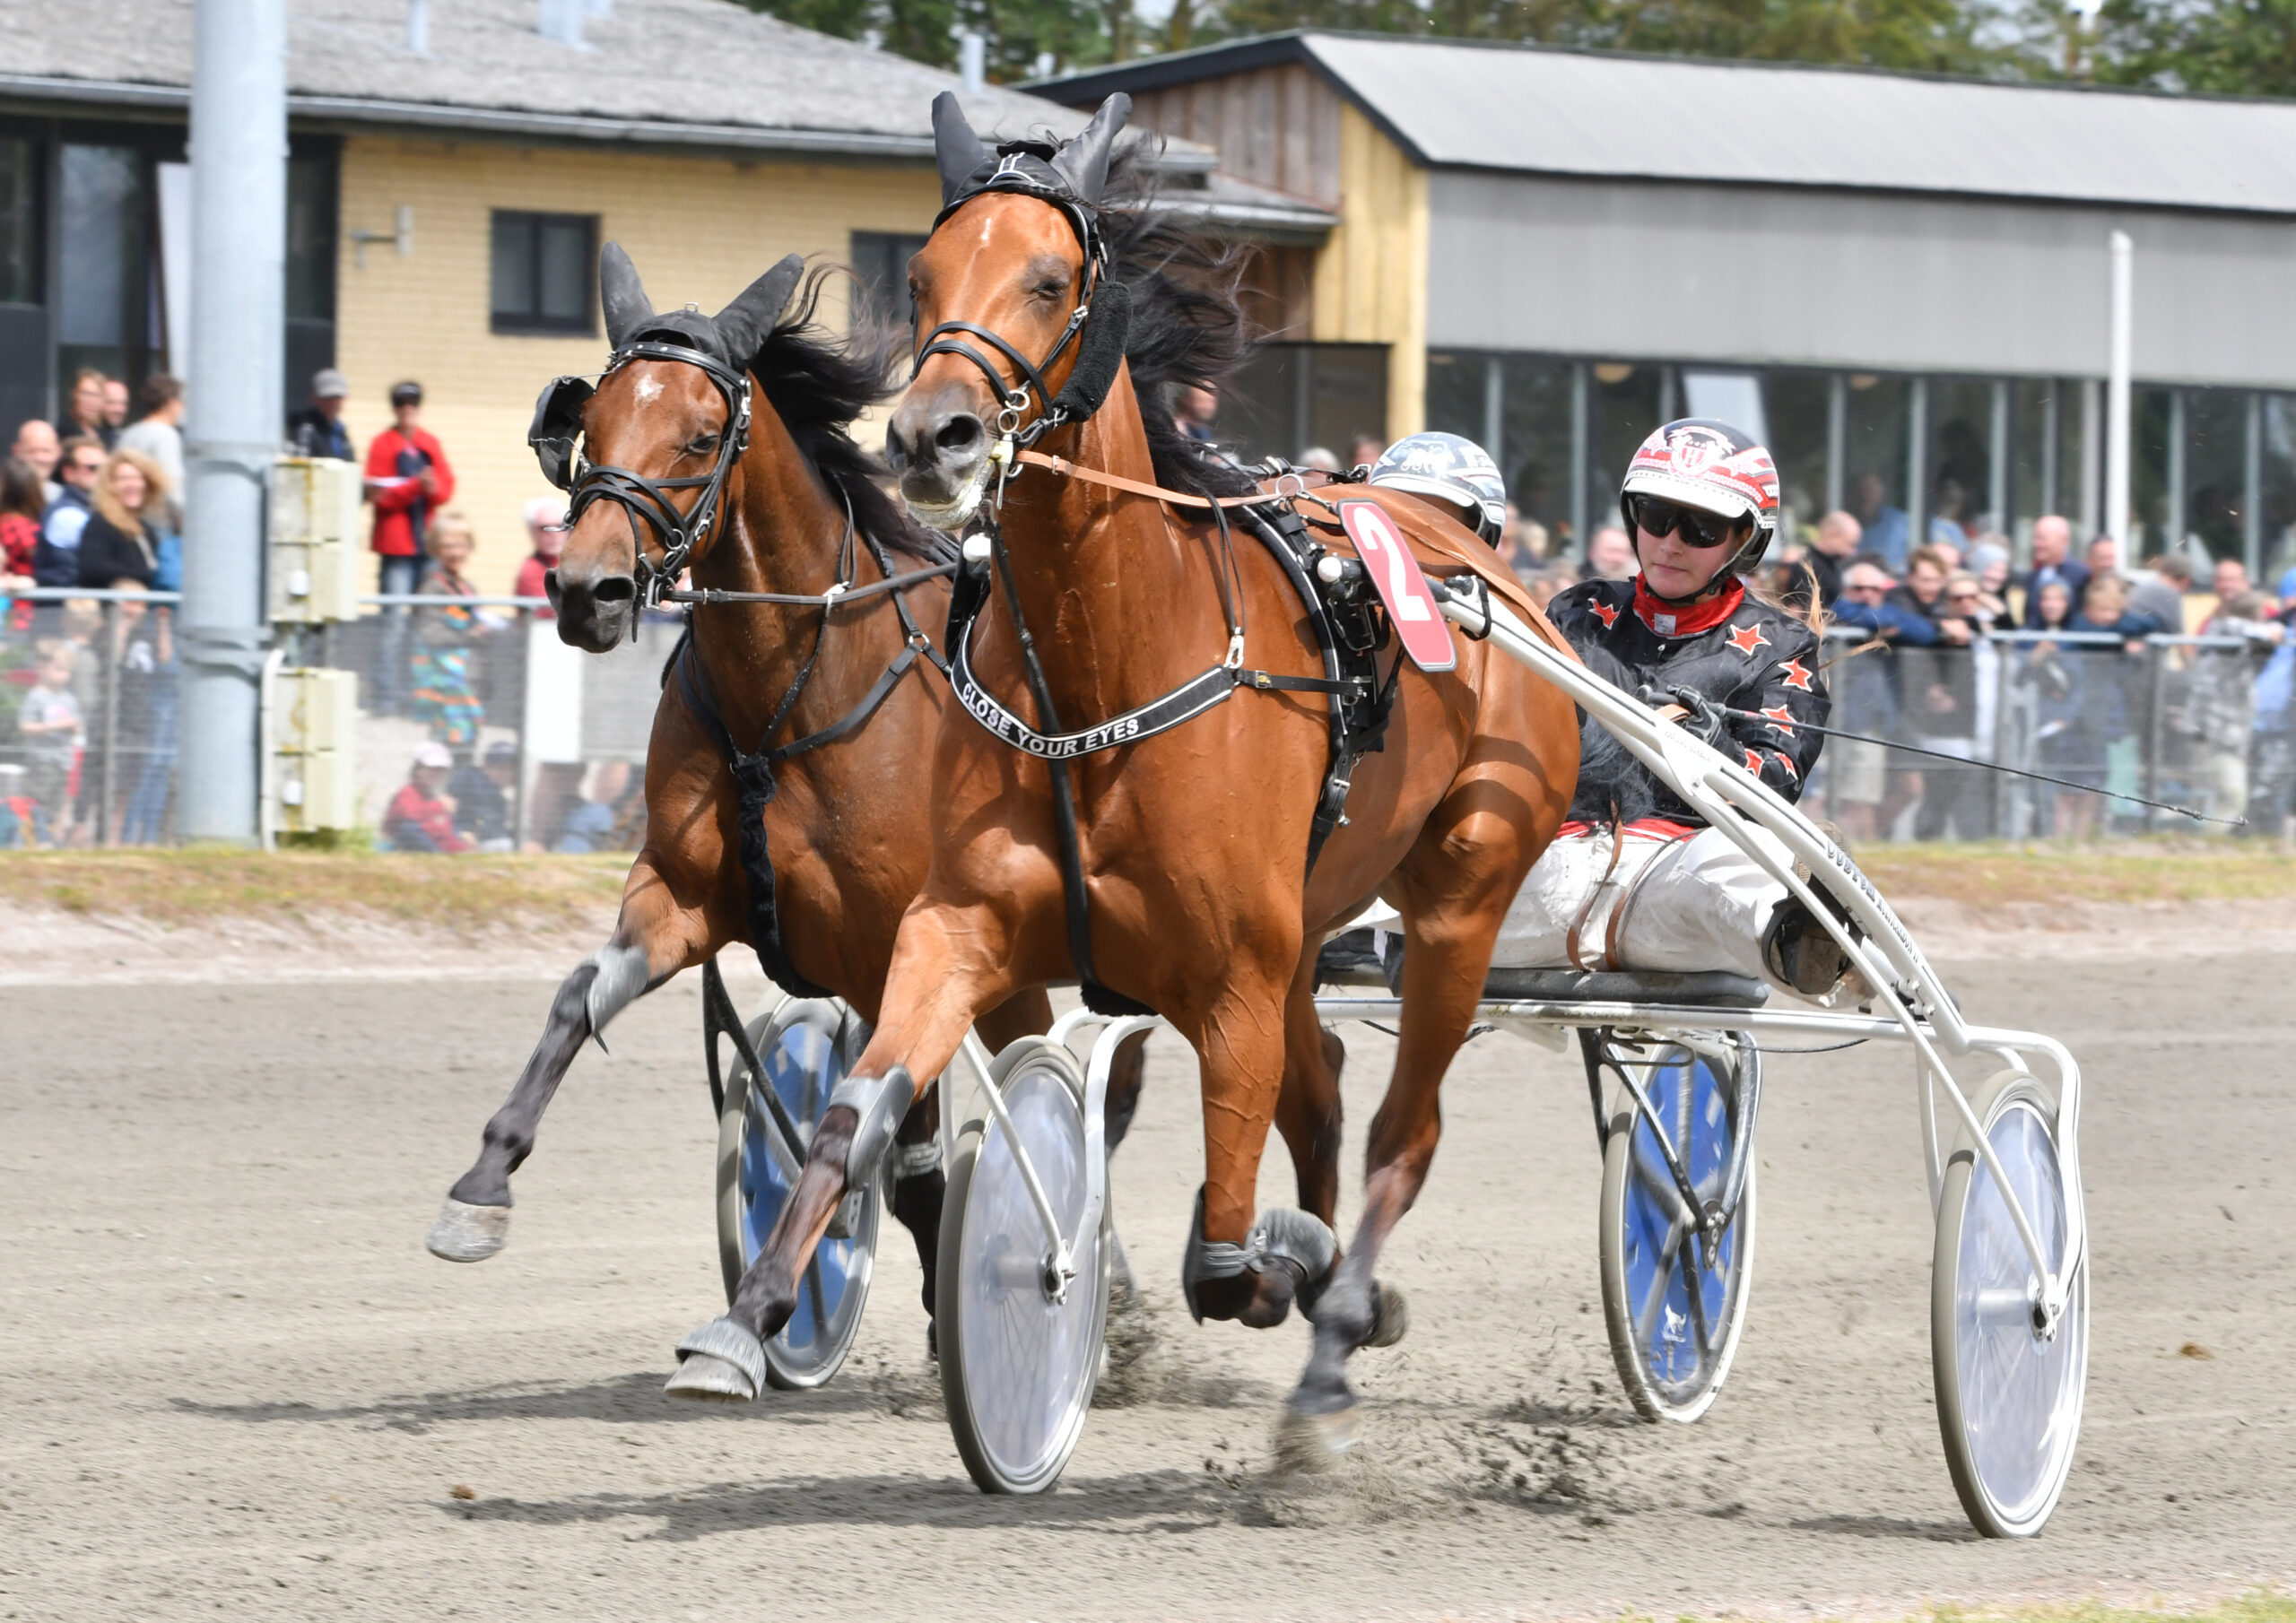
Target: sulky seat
(1705,989)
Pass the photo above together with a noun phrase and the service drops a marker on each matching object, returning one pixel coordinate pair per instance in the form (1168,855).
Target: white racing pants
(1658,897)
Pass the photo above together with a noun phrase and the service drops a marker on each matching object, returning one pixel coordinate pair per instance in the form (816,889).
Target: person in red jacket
(408,480)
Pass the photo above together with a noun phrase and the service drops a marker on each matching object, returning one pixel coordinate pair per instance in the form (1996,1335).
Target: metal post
(2051,432)
(2155,724)
(1836,440)
(2117,458)
(107,775)
(238,180)
(2092,446)
(1996,453)
(2173,520)
(1916,472)
(2252,490)
(523,626)
(1581,453)
(1494,410)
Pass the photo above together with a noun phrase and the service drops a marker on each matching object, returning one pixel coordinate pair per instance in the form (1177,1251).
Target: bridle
(558,418)
(1013,400)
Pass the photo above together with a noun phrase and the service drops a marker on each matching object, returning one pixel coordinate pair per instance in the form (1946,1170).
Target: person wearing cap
(421,817)
(1635,879)
(408,480)
(317,431)
(545,518)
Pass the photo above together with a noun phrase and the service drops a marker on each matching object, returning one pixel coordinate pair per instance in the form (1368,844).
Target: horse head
(661,436)
(998,289)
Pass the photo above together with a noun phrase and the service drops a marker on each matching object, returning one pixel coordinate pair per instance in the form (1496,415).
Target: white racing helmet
(1450,468)
(1710,469)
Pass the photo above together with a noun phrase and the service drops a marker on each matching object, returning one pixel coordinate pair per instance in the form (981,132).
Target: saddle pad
(1703,989)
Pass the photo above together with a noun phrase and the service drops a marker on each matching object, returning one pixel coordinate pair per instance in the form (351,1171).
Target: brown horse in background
(848,826)
(1194,842)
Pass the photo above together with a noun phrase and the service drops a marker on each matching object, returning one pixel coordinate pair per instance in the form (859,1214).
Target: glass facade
(1911,455)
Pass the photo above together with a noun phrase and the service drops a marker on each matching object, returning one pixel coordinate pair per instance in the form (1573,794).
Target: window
(541,272)
(20,239)
(880,261)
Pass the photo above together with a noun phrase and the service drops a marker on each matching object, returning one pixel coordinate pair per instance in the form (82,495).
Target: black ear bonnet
(1070,175)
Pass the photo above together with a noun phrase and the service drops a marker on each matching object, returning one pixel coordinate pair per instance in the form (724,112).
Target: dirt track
(232,1382)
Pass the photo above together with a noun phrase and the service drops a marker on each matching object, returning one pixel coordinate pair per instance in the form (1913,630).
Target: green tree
(2234,47)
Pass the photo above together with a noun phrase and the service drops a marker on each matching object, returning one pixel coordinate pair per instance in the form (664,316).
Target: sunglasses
(1656,516)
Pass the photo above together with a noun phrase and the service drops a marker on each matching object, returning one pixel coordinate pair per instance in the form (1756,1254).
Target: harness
(1358,703)
(557,427)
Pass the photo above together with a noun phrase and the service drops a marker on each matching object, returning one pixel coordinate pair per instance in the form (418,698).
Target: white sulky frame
(1915,1006)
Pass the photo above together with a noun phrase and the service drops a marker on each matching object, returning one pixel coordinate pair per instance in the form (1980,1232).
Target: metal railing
(548,743)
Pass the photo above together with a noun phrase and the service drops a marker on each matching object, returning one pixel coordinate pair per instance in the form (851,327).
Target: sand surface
(233,1383)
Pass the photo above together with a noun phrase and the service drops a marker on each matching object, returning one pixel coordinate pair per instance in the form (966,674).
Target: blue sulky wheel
(805,1045)
(1674,1299)
(2009,1386)
(1020,1346)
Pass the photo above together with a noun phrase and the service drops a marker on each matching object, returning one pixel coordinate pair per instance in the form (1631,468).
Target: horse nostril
(615,589)
(550,587)
(959,433)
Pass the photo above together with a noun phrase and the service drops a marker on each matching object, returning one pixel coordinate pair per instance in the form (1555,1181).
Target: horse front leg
(932,995)
(654,938)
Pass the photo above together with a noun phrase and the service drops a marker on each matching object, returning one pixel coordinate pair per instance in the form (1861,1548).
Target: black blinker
(557,425)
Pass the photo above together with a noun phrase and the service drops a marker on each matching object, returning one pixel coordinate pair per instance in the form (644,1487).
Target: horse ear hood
(1083,162)
(956,149)
(621,294)
(744,324)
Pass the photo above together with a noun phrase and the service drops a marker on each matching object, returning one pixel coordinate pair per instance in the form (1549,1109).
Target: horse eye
(702,445)
(1050,290)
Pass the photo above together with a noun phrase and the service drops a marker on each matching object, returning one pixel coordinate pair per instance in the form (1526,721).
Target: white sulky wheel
(2008,1396)
(1674,1313)
(806,1046)
(1020,1353)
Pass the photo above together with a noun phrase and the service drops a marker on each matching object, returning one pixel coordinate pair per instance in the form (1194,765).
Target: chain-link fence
(477,729)
(539,746)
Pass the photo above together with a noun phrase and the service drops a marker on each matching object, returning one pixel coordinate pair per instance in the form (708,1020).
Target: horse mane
(1188,327)
(817,383)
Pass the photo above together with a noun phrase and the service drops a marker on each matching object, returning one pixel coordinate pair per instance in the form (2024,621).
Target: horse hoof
(464,1233)
(1393,1316)
(1314,1441)
(723,1362)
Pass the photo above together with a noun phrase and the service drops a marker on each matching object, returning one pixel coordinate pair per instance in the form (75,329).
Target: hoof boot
(720,1363)
(464,1233)
(1391,1316)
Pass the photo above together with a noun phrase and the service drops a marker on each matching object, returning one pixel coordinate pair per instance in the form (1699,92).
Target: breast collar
(1023,168)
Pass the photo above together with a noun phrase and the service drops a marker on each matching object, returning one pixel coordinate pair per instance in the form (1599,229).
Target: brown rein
(1117,481)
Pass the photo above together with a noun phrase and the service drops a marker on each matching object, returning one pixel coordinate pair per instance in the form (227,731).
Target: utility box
(315,540)
(314,732)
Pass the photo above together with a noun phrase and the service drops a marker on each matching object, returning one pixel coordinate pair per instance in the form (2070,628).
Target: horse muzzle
(938,447)
(594,609)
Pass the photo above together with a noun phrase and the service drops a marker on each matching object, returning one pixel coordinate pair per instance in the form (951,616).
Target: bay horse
(790,510)
(1200,901)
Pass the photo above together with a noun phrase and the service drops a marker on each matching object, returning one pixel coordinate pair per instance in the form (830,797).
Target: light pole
(2124,252)
(232,427)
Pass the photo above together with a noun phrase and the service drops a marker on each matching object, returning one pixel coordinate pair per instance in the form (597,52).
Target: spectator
(2159,591)
(85,418)
(2107,676)
(56,560)
(115,407)
(2061,746)
(2104,556)
(481,794)
(1194,407)
(546,535)
(159,436)
(1610,555)
(1320,459)
(445,700)
(2052,539)
(2219,701)
(1888,532)
(1366,451)
(1941,702)
(407,479)
(1988,565)
(1554,575)
(49,723)
(317,431)
(19,512)
(2231,580)
(421,817)
(1863,772)
(36,443)
(120,540)
(147,736)
(594,824)
(1924,592)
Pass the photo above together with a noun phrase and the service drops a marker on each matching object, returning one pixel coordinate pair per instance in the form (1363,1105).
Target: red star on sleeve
(1753,763)
(1796,676)
(1609,615)
(1747,639)
(1781,718)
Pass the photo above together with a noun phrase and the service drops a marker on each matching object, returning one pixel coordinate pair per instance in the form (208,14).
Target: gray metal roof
(677,71)
(1567,112)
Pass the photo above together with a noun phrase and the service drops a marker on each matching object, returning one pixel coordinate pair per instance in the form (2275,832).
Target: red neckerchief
(1667,619)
